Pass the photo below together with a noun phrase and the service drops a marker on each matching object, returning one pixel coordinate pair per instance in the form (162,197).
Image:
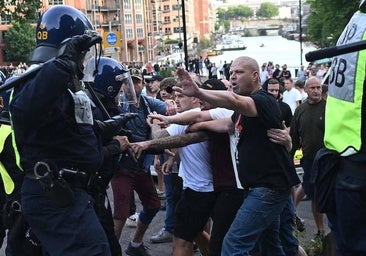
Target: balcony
(166,10)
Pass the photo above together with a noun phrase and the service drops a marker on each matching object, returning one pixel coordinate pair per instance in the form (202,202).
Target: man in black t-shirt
(264,167)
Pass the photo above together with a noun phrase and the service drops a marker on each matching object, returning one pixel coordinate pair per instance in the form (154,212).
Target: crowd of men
(223,148)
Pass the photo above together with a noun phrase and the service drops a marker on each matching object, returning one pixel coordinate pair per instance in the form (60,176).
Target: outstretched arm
(185,118)
(219,125)
(168,142)
(226,99)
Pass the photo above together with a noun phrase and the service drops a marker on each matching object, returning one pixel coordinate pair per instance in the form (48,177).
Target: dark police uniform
(53,122)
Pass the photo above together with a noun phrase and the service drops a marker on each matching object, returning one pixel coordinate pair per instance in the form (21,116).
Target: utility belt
(59,184)
(352,168)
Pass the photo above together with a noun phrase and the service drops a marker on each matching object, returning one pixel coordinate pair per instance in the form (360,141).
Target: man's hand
(280,136)
(189,87)
(161,120)
(139,147)
(123,142)
(71,54)
(171,107)
(166,169)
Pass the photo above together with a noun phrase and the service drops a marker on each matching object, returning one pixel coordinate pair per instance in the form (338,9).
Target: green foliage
(328,19)
(20,41)
(24,11)
(267,10)
(239,12)
(226,25)
(171,41)
(20,38)
(204,43)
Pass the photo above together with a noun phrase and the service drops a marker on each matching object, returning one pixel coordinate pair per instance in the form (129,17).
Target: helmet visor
(129,94)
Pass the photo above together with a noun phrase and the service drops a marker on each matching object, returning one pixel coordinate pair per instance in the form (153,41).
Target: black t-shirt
(262,163)
(286,113)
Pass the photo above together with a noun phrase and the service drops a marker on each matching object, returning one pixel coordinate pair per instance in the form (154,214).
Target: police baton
(335,50)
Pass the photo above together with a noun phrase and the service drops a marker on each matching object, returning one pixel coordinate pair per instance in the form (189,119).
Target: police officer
(57,138)
(345,129)
(104,82)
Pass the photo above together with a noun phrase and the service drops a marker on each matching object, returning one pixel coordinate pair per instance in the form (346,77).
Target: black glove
(71,54)
(113,126)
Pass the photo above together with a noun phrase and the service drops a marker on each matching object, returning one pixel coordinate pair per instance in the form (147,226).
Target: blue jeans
(173,190)
(258,215)
(290,243)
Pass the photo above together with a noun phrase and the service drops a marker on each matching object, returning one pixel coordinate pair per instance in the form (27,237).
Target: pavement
(165,249)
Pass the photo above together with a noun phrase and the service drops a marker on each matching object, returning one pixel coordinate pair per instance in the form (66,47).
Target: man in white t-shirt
(291,95)
(263,73)
(229,193)
(194,207)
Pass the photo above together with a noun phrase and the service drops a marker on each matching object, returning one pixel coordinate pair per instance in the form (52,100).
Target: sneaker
(299,224)
(137,251)
(162,236)
(131,221)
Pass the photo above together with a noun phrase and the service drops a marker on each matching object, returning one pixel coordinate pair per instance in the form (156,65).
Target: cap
(154,78)
(213,84)
(136,74)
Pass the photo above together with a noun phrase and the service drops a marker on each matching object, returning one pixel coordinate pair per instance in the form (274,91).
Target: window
(128,18)
(177,30)
(55,2)
(5,19)
(129,33)
(167,19)
(166,8)
(138,4)
(140,32)
(127,4)
(168,31)
(138,18)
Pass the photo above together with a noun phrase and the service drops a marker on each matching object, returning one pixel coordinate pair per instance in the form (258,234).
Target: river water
(277,49)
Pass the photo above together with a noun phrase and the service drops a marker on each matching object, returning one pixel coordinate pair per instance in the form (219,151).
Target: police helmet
(54,26)
(108,76)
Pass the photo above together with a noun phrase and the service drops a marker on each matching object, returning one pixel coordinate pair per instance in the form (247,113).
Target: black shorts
(192,213)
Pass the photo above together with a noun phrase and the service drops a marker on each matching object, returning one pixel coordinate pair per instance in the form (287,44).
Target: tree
(19,41)
(20,38)
(22,11)
(267,10)
(328,19)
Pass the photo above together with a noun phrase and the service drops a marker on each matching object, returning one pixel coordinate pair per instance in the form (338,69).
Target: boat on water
(214,52)
(232,43)
(232,47)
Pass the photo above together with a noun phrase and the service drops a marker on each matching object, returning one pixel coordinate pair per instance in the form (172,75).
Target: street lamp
(300,31)
(184,35)
(180,28)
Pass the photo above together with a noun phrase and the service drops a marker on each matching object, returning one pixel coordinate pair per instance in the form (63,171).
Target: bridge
(260,27)
(260,31)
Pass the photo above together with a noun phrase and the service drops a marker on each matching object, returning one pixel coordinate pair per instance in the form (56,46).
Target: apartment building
(139,28)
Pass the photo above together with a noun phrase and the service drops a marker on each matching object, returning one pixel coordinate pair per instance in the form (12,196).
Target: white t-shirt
(195,166)
(291,97)
(219,113)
